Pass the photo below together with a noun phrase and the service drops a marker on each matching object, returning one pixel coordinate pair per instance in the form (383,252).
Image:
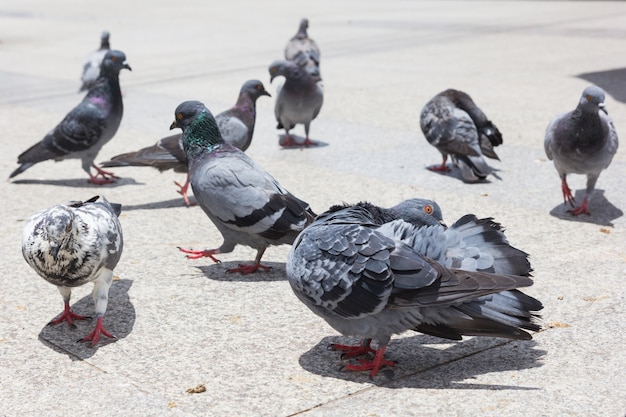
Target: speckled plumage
(88,127)
(72,244)
(246,204)
(456,126)
(303,50)
(373,272)
(582,141)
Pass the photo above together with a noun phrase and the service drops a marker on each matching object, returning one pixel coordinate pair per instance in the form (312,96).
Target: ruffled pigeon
(246,204)
(299,98)
(456,126)
(372,272)
(88,127)
(582,141)
(72,244)
(91,68)
(236,125)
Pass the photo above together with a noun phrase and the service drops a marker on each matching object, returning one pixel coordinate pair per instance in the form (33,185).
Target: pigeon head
(113,62)
(419,212)
(592,98)
(254,88)
(199,127)
(104,40)
(57,228)
(304,25)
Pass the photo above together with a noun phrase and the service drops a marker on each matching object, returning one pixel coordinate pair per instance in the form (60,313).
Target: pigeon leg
(94,336)
(288,141)
(567,192)
(354,351)
(373,365)
(307,141)
(197,254)
(183,190)
(441,168)
(107,177)
(248,269)
(582,209)
(67,315)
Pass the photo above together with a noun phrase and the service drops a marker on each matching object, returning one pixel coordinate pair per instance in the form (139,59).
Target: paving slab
(257,350)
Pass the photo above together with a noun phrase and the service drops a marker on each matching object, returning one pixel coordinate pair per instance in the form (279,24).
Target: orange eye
(428,209)
(258,87)
(113,58)
(179,116)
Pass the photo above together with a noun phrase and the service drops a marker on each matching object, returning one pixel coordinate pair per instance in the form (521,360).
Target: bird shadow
(118,320)
(219,272)
(166,204)
(300,140)
(602,211)
(455,172)
(442,366)
(611,81)
(79,183)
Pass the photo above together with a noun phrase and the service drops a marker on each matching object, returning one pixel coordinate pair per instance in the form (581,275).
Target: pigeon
(303,50)
(85,129)
(236,125)
(72,244)
(456,126)
(91,69)
(246,204)
(298,99)
(372,272)
(582,141)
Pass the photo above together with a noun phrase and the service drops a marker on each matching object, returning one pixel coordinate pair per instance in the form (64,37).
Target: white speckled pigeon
(88,127)
(372,272)
(456,126)
(303,50)
(246,204)
(299,99)
(91,68)
(582,141)
(72,244)
(236,126)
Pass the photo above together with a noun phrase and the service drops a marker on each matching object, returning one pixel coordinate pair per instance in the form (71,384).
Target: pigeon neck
(201,135)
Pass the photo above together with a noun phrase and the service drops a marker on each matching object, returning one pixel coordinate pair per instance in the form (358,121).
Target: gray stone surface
(258,351)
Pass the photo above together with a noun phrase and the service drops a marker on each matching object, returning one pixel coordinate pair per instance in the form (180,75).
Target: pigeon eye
(113,58)
(179,116)
(428,209)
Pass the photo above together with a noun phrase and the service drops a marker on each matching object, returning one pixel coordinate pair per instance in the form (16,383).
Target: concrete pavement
(247,339)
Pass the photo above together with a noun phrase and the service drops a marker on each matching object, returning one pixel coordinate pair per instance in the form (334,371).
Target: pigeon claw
(69,316)
(183,191)
(107,177)
(94,336)
(353,351)
(197,254)
(439,168)
(249,269)
(582,209)
(371,365)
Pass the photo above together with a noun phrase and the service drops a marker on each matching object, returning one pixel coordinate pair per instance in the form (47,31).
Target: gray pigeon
(246,204)
(303,50)
(372,272)
(582,141)
(236,125)
(299,99)
(72,244)
(456,126)
(91,68)
(88,127)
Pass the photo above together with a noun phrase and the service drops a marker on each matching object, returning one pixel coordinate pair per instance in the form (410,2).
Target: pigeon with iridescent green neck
(246,204)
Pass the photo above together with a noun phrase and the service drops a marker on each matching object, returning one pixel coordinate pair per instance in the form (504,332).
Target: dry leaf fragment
(558,324)
(197,390)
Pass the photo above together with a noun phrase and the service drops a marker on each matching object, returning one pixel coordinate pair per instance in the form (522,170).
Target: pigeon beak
(441,222)
(125,65)
(55,252)
(173,125)
(265,93)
